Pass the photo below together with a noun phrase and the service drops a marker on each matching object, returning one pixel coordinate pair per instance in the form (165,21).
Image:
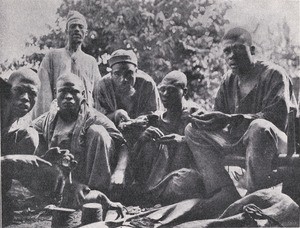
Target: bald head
(25,84)
(70,95)
(175,78)
(172,89)
(24,75)
(71,80)
(239,34)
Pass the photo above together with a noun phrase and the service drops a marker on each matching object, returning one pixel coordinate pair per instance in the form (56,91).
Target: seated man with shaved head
(91,137)
(162,162)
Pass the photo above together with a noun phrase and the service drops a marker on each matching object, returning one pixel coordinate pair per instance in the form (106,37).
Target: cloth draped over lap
(87,117)
(166,173)
(145,100)
(275,208)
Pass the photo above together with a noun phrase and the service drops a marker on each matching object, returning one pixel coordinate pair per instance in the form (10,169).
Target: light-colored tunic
(59,61)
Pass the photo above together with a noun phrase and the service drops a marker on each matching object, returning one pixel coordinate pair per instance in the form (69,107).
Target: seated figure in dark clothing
(161,160)
(249,118)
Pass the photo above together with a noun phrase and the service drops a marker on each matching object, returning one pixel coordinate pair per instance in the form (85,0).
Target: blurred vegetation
(165,34)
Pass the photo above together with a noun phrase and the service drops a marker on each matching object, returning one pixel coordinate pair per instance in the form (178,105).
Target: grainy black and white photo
(150,113)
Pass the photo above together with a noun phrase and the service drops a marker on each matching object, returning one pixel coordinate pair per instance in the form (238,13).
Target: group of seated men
(145,141)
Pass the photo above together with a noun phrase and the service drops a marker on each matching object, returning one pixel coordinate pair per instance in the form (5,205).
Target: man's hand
(151,134)
(171,139)
(120,115)
(139,122)
(211,121)
(25,159)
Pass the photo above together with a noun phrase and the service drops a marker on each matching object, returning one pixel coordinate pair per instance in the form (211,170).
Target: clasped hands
(156,135)
(123,121)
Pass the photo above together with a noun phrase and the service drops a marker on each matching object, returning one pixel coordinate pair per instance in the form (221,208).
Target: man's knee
(264,133)
(260,127)
(98,132)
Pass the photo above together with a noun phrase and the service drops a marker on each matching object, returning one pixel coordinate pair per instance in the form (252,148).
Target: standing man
(250,118)
(68,59)
(90,136)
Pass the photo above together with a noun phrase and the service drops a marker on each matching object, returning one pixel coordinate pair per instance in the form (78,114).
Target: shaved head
(24,75)
(238,34)
(175,78)
(70,80)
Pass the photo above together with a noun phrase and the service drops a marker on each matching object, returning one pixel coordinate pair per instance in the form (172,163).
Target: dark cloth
(274,208)
(260,143)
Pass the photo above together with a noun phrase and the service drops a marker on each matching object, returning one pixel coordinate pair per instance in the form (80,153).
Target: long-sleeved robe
(259,138)
(55,63)
(146,99)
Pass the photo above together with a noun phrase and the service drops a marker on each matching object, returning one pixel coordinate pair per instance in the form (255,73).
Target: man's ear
(252,50)
(184,91)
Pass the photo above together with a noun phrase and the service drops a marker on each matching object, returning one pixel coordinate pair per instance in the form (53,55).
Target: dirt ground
(30,213)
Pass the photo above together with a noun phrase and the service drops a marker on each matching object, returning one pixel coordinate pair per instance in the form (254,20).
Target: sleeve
(45,95)
(151,101)
(220,101)
(112,130)
(38,123)
(96,76)
(100,98)
(277,99)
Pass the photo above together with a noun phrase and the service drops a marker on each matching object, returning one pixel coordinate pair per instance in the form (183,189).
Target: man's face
(238,54)
(24,95)
(123,75)
(76,32)
(170,95)
(69,97)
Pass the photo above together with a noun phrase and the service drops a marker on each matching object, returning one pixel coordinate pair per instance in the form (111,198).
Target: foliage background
(166,35)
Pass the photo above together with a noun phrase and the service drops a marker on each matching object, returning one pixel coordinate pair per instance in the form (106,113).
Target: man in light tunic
(68,59)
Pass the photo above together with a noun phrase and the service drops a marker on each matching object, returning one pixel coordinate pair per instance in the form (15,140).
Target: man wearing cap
(127,92)
(68,59)
(250,118)
(90,136)
(161,149)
